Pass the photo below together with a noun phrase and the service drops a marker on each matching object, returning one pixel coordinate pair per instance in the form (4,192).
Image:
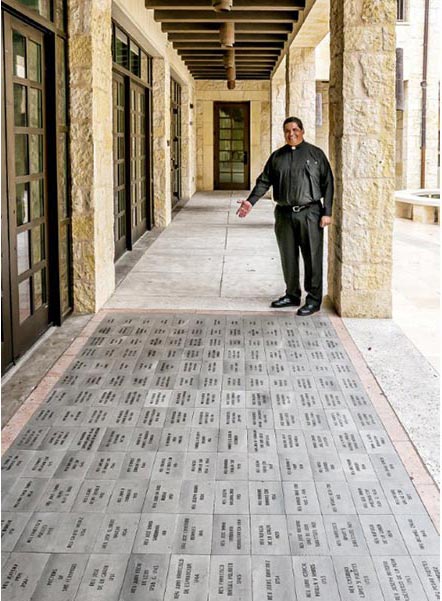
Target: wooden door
(25,209)
(232,146)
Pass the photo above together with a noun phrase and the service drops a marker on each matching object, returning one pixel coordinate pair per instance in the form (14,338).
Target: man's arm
(262,184)
(327,186)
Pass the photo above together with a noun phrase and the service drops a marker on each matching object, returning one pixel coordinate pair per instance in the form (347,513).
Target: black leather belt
(297,208)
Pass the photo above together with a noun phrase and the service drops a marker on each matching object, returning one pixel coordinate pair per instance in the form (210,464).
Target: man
(301,176)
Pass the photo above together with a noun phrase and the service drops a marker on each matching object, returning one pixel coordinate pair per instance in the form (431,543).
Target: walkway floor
(187,453)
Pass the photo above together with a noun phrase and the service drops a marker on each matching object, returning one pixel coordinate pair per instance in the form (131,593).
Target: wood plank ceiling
(253,33)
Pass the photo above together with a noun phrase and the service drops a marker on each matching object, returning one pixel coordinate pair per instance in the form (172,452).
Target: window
(400,10)
(127,54)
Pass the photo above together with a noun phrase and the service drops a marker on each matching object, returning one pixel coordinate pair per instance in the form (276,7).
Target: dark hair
(293,120)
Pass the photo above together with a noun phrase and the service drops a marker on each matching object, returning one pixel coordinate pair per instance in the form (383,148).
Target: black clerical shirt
(299,175)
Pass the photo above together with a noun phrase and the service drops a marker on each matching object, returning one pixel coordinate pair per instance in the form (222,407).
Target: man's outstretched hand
(325,221)
(244,208)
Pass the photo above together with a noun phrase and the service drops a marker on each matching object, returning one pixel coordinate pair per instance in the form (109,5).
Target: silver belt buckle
(296,209)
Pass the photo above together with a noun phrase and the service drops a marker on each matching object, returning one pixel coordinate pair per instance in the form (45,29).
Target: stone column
(90,67)
(362,140)
(161,142)
(301,88)
(187,140)
(278,103)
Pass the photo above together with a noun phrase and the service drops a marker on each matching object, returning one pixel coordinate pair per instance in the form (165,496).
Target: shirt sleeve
(327,186)
(263,183)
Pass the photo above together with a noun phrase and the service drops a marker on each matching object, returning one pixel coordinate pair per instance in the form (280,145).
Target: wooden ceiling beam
(181,27)
(196,45)
(238,5)
(248,16)
(220,51)
(214,37)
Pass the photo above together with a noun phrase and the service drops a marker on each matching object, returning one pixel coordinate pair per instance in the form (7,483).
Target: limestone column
(187,140)
(362,140)
(161,142)
(277,110)
(90,67)
(301,88)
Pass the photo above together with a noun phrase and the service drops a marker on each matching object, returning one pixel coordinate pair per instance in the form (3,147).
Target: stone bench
(419,205)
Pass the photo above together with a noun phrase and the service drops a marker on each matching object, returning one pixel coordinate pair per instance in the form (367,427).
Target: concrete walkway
(193,444)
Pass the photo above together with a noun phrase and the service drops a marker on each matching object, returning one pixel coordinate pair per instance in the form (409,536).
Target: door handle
(244,159)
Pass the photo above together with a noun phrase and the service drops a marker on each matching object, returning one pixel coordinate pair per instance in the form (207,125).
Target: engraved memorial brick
(15,461)
(203,439)
(233,418)
(313,420)
(208,418)
(152,416)
(117,533)
(193,534)
(269,535)
(162,496)
(290,441)
(345,535)
(182,398)
(127,497)
(398,578)
(61,578)
(382,535)
(174,439)
(266,498)
(145,578)
(357,467)
(403,498)
(366,419)
(155,533)
(335,498)
(230,578)
(115,439)
(233,398)
(369,498)
(93,496)
(145,439)
(295,466)
(326,467)
(419,534)
(105,465)
(264,467)
(20,576)
(357,579)
(158,398)
(137,466)
(59,495)
(231,535)
(428,569)
(272,578)
(30,438)
(261,441)
(376,441)
(13,524)
(257,398)
(320,441)
(132,398)
(43,464)
(200,466)
(232,440)
(188,578)
(60,533)
(103,578)
(348,442)
(74,465)
(315,579)
(87,439)
(300,497)
(389,468)
(232,466)
(207,398)
(197,497)
(307,535)
(231,497)
(340,420)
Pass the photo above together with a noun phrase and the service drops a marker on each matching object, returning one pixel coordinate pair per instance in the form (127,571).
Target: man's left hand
(325,221)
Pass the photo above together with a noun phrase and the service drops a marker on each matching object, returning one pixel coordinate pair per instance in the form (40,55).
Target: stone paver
(212,456)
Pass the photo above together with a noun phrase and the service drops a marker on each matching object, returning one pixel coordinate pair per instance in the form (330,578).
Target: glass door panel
(231,161)
(25,208)
(119,150)
(138,174)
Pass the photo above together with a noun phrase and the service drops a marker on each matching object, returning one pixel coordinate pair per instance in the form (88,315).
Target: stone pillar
(187,141)
(90,82)
(301,88)
(277,110)
(161,142)
(362,140)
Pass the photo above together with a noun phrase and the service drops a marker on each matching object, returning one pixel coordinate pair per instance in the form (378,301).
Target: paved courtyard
(211,456)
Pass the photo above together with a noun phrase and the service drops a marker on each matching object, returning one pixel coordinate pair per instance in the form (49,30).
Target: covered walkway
(193,444)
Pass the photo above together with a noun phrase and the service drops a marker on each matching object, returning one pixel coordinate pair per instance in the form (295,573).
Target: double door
(132,162)
(25,268)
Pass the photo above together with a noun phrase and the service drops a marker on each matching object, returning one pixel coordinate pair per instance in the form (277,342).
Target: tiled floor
(212,457)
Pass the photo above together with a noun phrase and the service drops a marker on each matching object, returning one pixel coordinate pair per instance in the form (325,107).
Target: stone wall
(278,106)
(162,199)
(90,83)
(362,140)
(206,93)
(300,88)
(322,128)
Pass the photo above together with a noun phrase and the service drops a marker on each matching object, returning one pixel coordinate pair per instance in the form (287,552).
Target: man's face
(294,135)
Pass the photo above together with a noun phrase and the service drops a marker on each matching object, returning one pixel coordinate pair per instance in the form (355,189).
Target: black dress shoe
(286,301)
(307,309)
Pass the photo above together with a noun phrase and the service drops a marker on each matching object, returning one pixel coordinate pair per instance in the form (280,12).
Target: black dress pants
(301,231)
